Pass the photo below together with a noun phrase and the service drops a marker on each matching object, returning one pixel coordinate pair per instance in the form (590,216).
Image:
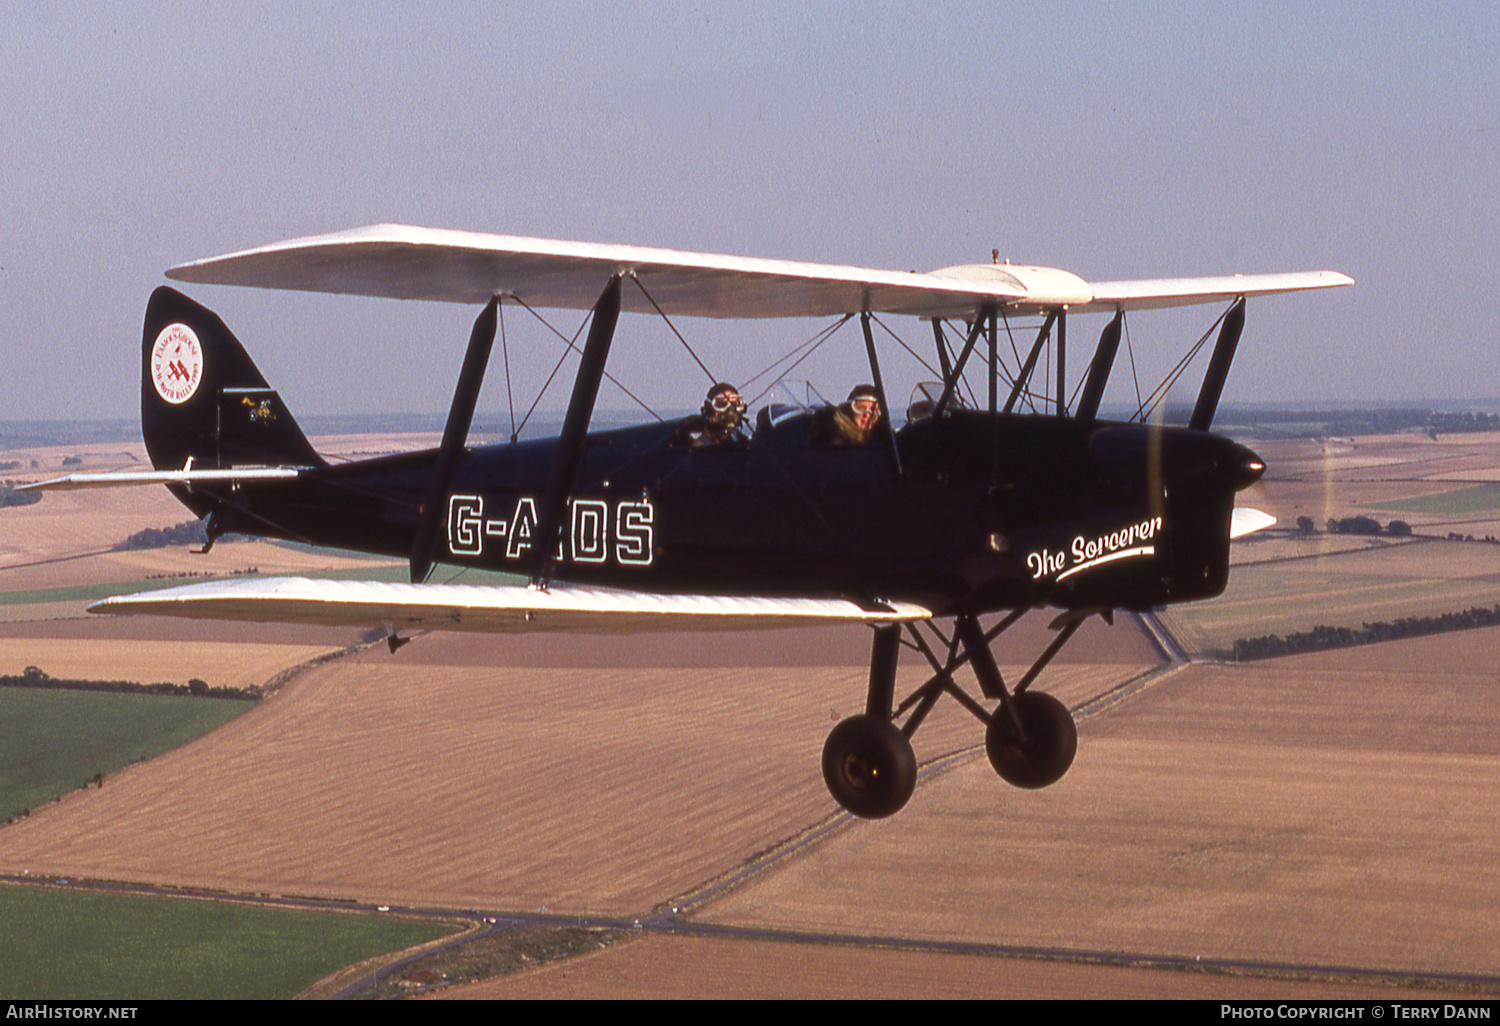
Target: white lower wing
(1247,521)
(503,610)
(120,478)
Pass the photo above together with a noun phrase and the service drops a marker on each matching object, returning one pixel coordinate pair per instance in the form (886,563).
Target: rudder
(203,398)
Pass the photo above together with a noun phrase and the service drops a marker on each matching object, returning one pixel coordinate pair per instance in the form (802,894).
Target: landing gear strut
(1030,737)
(868,763)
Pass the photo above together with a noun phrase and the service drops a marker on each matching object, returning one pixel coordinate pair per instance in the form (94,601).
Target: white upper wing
(404,262)
(503,609)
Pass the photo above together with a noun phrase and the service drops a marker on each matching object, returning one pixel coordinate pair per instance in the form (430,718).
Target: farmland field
(1474,499)
(1349,589)
(69,945)
(52,742)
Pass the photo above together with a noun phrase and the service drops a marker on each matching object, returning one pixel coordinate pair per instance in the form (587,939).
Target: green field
(52,742)
(1480,498)
(397,572)
(87,592)
(75,944)
(1347,589)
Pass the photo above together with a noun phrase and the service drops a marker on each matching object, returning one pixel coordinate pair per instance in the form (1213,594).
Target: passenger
(854,422)
(721,422)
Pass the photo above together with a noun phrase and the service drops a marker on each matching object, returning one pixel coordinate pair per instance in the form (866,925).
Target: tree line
(10,497)
(1356,525)
(1359,421)
(1323,637)
(189,532)
(36,677)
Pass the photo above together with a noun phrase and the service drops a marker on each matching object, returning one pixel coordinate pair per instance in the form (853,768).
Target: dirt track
(692,967)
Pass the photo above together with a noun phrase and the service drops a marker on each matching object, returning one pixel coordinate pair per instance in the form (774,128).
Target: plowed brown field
(152,662)
(1254,851)
(412,779)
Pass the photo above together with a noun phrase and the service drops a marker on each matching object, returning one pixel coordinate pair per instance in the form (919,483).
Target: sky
(1115,140)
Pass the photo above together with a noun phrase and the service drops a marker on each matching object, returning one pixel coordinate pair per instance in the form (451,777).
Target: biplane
(939,534)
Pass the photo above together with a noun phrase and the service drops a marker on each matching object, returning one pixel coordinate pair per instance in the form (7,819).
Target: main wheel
(869,766)
(1046,751)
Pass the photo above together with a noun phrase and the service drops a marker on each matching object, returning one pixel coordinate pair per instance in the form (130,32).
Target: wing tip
(1246,520)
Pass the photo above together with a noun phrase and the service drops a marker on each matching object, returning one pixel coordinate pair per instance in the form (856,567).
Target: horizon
(23,433)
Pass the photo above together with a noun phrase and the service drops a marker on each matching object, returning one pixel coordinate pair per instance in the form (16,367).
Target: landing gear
(1040,752)
(869,766)
(1030,737)
(868,763)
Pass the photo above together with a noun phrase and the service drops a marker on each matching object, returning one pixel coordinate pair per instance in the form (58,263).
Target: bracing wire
(572,347)
(1160,392)
(1083,379)
(1010,379)
(1134,377)
(1046,374)
(510,400)
(663,314)
(962,378)
(811,346)
(1011,336)
(813,340)
(548,383)
(1125,326)
(901,342)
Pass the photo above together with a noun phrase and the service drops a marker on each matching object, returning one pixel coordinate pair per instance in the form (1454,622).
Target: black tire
(869,766)
(1045,753)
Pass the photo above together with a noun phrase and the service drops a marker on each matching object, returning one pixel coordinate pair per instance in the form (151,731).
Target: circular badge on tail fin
(176,363)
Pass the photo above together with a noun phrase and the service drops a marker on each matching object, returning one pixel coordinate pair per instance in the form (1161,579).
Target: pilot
(720,423)
(853,422)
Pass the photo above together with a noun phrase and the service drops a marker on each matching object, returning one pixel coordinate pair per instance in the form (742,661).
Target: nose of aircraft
(1245,467)
(1179,455)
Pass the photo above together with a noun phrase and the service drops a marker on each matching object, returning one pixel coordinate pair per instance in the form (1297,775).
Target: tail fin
(202,397)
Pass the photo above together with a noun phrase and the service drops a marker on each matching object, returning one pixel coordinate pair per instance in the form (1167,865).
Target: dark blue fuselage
(987,512)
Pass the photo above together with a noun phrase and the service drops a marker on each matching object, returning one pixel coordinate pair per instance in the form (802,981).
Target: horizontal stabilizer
(124,478)
(395,261)
(494,609)
(1247,521)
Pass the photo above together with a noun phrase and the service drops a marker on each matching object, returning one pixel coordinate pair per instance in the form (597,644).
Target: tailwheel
(869,766)
(1042,753)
